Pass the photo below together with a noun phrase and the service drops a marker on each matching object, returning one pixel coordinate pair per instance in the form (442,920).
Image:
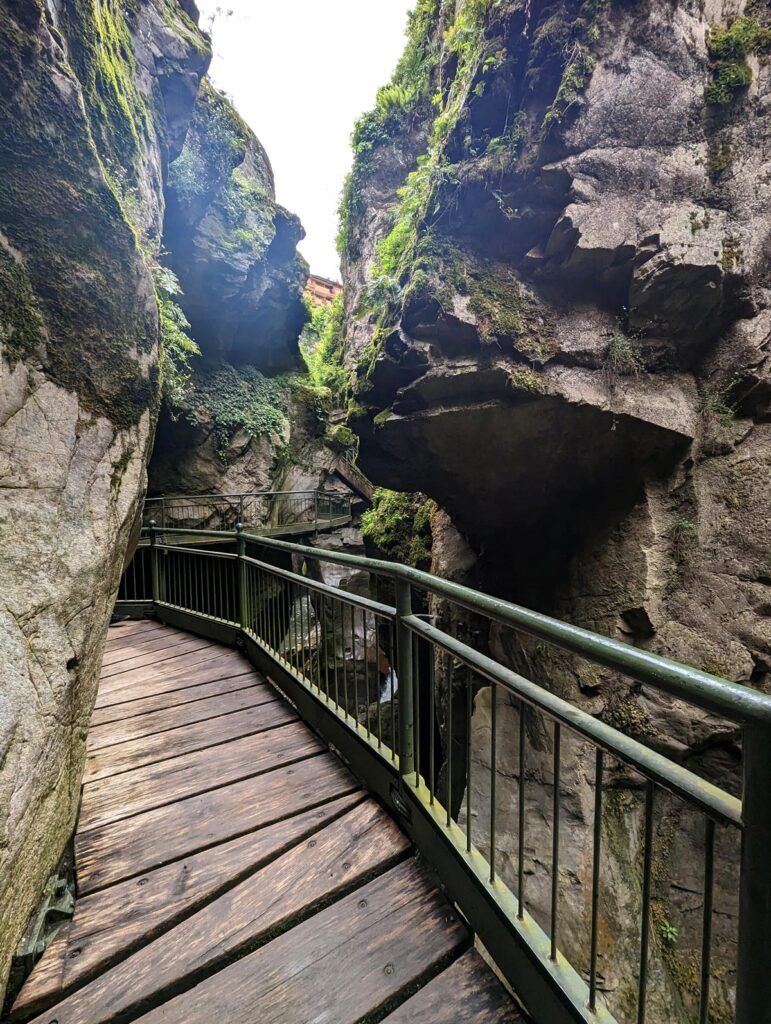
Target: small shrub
(669,934)
(622,357)
(729,49)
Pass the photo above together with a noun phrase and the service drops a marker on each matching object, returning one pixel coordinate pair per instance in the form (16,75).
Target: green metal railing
(257,510)
(339,656)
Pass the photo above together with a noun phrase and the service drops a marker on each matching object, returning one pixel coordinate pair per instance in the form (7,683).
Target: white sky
(300,72)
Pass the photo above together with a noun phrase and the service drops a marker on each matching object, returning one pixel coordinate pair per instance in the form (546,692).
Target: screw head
(389,968)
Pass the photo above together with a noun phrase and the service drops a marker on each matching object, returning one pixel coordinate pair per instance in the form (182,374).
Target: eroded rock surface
(559,331)
(94,101)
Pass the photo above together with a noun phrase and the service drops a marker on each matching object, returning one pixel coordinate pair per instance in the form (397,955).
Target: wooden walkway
(231,870)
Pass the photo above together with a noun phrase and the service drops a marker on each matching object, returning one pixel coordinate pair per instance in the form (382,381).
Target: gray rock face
(87,123)
(232,247)
(568,349)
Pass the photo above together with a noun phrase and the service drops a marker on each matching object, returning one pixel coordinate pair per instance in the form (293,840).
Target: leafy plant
(668,933)
(177,348)
(321,344)
(729,49)
(622,357)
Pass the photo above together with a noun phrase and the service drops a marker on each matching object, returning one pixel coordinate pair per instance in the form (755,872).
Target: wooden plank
(110,924)
(169,682)
(179,716)
(149,840)
(158,644)
(123,796)
(144,683)
(337,859)
(188,652)
(117,638)
(468,991)
(339,966)
(124,757)
(159,701)
(132,627)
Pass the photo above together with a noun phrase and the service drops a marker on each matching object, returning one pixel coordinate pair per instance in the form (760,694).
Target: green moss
(399,525)
(215,145)
(234,399)
(342,439)
(21,325)
(729,49)
(383,417)
(522,379)
(84,283)
(719,156)
(322,345)
(732,255)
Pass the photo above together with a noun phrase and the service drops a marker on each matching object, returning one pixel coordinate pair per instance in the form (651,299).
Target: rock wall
(95,97)
(556,256)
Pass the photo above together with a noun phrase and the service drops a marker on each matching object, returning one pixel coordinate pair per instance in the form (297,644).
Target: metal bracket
(401,806)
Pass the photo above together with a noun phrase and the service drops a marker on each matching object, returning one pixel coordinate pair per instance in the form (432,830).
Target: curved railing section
(265,512)
(341,655)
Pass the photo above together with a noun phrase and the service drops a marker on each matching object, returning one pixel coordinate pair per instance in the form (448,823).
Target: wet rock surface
(559,330)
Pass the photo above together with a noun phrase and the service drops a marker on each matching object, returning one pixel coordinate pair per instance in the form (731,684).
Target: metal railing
(265,511)
(391,691)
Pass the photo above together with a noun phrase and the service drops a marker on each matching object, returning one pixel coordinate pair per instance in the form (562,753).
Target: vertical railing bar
(334,653)
(597,849)
(392,663)
(366,669)
(346,692)
(706,932)
(493,772)
(431,724)
(469,705)
(448,796)
(416,702)
(555,844)
(642,998)
(521,810)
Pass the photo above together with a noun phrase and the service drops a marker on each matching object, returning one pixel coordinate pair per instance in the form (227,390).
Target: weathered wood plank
(110,924)
(149,840)
(467,993)
(147,749)
(159,644)
(144,683)
(340,966)
(123,796)
(178,716)
(159,701)
(338,858)
(118,636)
(189,652)
(134,628)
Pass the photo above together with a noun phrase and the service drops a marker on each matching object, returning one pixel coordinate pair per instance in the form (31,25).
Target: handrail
(731,700)
(326,648)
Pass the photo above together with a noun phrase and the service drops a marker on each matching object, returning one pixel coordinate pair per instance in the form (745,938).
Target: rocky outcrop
(232,247)
(556,251)
(94,101)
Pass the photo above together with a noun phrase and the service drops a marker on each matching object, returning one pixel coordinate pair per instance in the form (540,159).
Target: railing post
(241,511)
(404,641)
(753,981)
(155,569)
(243,596)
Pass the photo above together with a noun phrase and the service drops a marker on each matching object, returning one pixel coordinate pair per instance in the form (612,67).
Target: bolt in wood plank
(178,717)
(339,966)
(149,840)
(159,701)
(336,859)
(147,684)
(123,796)
(123,757)
(466,992)
(110,924)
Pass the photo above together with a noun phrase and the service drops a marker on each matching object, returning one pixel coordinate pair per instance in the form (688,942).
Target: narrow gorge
(547,378)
